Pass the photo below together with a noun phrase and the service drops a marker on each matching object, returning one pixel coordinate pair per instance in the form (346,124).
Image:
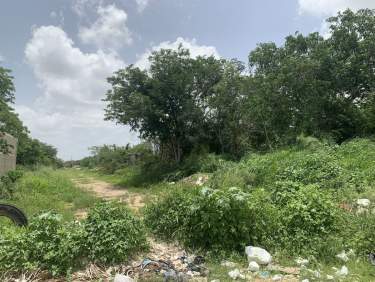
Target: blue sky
(61,51)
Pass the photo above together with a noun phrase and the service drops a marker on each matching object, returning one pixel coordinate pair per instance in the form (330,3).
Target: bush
(109,235)
(210,219)
(359,233)
(229,219)
(47,243)
(308,216)
(8,183)
(113,233)
(321,168)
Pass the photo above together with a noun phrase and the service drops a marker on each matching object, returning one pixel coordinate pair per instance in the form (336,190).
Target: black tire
(14,214)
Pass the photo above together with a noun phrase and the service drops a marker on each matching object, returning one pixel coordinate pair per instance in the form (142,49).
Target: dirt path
(108,192)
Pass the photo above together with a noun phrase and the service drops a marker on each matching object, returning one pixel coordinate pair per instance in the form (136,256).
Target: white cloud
(331,7)
(142,4)
(80,7)
(195,50)
(109,30)
(70,113)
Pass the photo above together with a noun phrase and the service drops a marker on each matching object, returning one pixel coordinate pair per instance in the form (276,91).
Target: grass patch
(48,189)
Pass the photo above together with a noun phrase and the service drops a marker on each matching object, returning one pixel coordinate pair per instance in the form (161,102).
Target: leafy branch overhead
(309,85)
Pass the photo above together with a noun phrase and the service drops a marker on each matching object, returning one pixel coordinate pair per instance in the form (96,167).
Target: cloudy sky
(61,51)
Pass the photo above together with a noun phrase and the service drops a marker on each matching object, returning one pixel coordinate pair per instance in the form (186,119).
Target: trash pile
(167,261)
(181,269)
(260,268)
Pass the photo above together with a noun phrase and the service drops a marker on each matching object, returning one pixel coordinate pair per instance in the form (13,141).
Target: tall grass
(48,189)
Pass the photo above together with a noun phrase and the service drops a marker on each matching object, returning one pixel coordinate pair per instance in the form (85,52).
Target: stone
(277,277)
(342,272)
(330,277)
(362,210)
(302,261)
(305,280)
(365,203)
(123,278)
(259,255)
(170,275)
(343,256)
(236,274)
(215,280)
(253,266)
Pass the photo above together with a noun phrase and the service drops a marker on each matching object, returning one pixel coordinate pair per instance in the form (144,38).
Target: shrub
(309,216)
(283,191)
(209,219)
(109,235)
(359,233)
(47,243)
(113,233)
(320,167)
(8,183)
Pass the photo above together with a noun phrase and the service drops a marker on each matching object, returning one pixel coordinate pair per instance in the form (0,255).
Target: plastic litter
(236,274)
(343,256)
(342,272)
(253,266)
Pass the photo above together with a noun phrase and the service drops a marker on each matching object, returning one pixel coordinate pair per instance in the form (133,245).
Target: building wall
(8,161)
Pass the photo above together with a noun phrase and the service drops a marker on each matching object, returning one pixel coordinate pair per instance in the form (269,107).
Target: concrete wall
(8,161)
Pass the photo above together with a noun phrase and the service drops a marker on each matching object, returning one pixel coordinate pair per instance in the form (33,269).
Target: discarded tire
(14,214)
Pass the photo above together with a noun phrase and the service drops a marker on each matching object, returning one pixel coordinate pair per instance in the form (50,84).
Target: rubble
(236,274)
(302,261)
(342,272)
(277,277)
(364,203)
(259,255)
(122,278)
(228,264)
(253,266)
(343,256)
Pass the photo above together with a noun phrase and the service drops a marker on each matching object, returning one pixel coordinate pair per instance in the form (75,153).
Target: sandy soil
(108,192)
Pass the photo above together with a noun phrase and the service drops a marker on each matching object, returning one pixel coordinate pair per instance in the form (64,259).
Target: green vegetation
(48,189)
(284,200)
(30,152)
(110,234)
(8,183)
(309,85)
(244,131)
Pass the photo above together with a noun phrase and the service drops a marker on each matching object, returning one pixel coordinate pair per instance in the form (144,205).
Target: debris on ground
(301,261)
(228,264)
(277,277)
(364,203)
(236,274)
(343,256)
(285,270)
(198,179)
(259,255)
(342,272)
(253,266)
(122,278)
(264,274)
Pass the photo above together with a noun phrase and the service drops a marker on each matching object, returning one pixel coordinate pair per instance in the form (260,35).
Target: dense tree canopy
(323,87)
(30,151)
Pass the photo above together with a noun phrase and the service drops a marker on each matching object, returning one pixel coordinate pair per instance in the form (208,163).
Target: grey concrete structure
(8,161)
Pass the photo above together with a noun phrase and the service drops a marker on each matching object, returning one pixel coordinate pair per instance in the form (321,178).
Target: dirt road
(108,192)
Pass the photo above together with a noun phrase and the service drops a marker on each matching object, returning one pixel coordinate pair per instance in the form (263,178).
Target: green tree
(29,151)
(167,104)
